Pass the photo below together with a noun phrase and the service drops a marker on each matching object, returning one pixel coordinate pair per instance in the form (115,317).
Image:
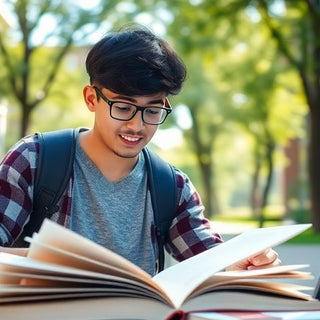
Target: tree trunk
(209,199)
(203,150)
(206,177)
(269,158)
(25,119)
(255,198)
(314,166)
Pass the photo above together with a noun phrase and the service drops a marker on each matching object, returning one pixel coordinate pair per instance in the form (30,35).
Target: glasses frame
(167,107)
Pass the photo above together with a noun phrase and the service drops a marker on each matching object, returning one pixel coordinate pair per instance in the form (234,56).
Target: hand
(266,259)
(16,251)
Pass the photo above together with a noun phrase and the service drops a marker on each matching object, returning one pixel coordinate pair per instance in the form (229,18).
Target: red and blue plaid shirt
(189,234)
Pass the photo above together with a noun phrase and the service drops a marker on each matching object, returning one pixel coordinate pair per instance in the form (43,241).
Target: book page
(26,280)
(252,285)
(287,271)
(18,264)
(56,244)
(262,276)
(58,236)
(182,278)
(17,271)
(47,253)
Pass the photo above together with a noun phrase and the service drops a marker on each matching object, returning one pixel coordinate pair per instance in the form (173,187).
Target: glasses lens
(154,115)
(122,111)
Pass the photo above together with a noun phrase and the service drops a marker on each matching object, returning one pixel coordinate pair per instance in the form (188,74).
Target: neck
(111,165)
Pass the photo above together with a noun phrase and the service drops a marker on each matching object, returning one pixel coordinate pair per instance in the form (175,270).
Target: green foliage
(234,91)
(241,93)
(33,50)
(65,106)
(307,237)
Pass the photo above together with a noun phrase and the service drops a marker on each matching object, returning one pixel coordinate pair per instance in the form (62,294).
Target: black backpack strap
(54,168)
(163,190)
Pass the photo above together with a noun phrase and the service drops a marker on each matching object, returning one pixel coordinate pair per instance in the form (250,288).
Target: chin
(127,155)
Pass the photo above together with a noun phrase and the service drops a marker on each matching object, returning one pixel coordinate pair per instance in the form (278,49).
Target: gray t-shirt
(116,215)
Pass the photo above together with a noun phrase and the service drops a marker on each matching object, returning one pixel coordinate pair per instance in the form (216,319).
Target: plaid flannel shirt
(189,234)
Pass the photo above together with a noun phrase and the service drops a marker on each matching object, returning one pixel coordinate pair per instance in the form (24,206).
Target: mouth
(130,140)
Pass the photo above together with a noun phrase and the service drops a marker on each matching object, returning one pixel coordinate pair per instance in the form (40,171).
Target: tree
(297,33)
(209,103)
(208,34)
(201,99)
(262,91)
(19,57)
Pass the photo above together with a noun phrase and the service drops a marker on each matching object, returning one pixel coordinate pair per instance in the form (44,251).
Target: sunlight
(87,4)
(156,25)
(183,117)
(6,14)
(168,138)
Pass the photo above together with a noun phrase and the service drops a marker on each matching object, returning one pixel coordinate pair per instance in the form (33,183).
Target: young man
(131,72)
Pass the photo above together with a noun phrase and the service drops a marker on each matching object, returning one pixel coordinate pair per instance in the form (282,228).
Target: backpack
(55,165)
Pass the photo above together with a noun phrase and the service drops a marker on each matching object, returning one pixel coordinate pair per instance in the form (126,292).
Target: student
(131,73)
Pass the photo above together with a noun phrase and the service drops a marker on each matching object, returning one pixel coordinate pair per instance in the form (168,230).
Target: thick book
(66,276)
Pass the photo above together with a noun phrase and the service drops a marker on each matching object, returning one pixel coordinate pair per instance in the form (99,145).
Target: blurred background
(245,126)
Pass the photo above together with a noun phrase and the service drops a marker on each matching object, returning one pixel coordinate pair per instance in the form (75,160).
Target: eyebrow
(121,97)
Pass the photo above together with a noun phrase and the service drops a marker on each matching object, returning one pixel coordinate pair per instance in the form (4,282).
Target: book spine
(177,315)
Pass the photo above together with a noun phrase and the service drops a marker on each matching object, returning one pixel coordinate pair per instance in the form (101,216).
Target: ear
(90,98)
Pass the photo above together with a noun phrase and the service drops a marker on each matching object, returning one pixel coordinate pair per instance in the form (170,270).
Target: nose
(136,123)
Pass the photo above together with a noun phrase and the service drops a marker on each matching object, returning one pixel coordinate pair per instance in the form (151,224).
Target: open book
(66,276)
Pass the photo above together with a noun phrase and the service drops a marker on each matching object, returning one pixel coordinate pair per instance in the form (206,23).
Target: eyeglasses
(125,111)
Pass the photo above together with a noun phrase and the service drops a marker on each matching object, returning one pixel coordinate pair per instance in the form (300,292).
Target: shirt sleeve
(190,232)
(17,171)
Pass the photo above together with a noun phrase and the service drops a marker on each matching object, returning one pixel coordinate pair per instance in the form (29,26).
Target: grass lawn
(273,218)
(307,237)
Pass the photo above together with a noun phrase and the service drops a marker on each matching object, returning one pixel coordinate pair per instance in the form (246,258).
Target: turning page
(181,279)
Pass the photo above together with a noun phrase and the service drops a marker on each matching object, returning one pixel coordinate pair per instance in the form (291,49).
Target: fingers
(265,259)
(243,265)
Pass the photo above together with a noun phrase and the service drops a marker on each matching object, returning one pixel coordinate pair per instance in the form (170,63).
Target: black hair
(135,61)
